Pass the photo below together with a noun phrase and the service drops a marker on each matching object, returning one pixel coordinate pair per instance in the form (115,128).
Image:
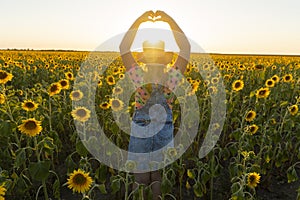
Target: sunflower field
(42,157)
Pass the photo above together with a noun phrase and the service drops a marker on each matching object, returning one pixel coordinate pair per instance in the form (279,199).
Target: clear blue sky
(231,26)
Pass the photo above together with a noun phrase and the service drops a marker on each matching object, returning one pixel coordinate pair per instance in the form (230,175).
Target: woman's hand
(162,16)
(146,16)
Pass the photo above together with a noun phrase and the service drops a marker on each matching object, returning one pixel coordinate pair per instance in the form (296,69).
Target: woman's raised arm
(128,39)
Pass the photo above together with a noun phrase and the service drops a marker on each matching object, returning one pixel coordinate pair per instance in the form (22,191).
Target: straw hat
(163,57)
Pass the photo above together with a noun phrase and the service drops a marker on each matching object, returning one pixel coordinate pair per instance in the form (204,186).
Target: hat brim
(165,59)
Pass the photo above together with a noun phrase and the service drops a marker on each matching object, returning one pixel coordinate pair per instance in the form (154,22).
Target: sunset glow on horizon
(254,27)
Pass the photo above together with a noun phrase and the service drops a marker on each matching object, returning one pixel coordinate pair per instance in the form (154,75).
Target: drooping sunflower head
(30,127)
(110,80)
(64,83)
(293,109)
(76,95)
(130,165)
(288,78)
(270,83)
(263,93)
(54,89)
(171,152)
(2,99)
(81,114)
(79,181)
(116,104)
(5,77)
(253,179)
(29,105)
(237,85)
(250,116)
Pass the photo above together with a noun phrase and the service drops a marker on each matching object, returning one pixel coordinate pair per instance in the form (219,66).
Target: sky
(217,26)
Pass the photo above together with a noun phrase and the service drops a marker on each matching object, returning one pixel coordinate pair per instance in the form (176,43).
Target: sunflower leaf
(39,170)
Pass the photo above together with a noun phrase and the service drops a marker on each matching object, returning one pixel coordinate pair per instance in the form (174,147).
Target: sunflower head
(237,85)
(275,78)
(104,105)
(30,127)
(5,77)
(2,99)
(263,93)
(250,116)
(270,83)
(253,179)
(252,129)
(54,89)
(79,181)
(64,84)
(117,90)
(2,191)
(29,105)
(288,78)
(81,114)
(116,104)
(69,76)
(76,95)
(293,109)
(110,80)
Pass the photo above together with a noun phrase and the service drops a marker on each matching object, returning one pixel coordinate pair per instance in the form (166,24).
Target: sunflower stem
(50,111)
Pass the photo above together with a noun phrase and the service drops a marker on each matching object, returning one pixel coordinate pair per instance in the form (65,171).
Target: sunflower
(64,83)
(69,76)
(117,90)
(81,114)
(2,192)
(293,109)
(54,89)
(253,179)
(116,104)
(252,129)
(171,152)
(250,116)
(30,127)
(130,165)
(2,99)
(238,85)
(275,78)
(79,181)
(270,83)
(5,77)
(76,95)
(29,105)
(263,93)
(288,78)
(104,105)
(110,80)
(121,76)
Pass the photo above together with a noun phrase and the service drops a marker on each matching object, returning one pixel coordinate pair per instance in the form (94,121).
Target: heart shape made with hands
(155,17)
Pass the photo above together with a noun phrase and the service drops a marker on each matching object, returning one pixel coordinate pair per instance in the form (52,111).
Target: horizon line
(111,51)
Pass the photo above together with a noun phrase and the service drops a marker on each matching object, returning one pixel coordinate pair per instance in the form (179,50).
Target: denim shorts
(150,149)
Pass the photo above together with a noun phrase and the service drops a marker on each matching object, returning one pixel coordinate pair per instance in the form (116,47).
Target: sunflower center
(81,112)
(30,125)
(76,94)
(250,115)
(29,105)
(79,179)
(3,75)
(262,92)
(54,88)
(238,84)
(110,79)
(252,179)
(115,103)
(63,83)
(287,78)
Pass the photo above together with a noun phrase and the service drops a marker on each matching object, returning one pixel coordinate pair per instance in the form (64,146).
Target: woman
(152,122)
